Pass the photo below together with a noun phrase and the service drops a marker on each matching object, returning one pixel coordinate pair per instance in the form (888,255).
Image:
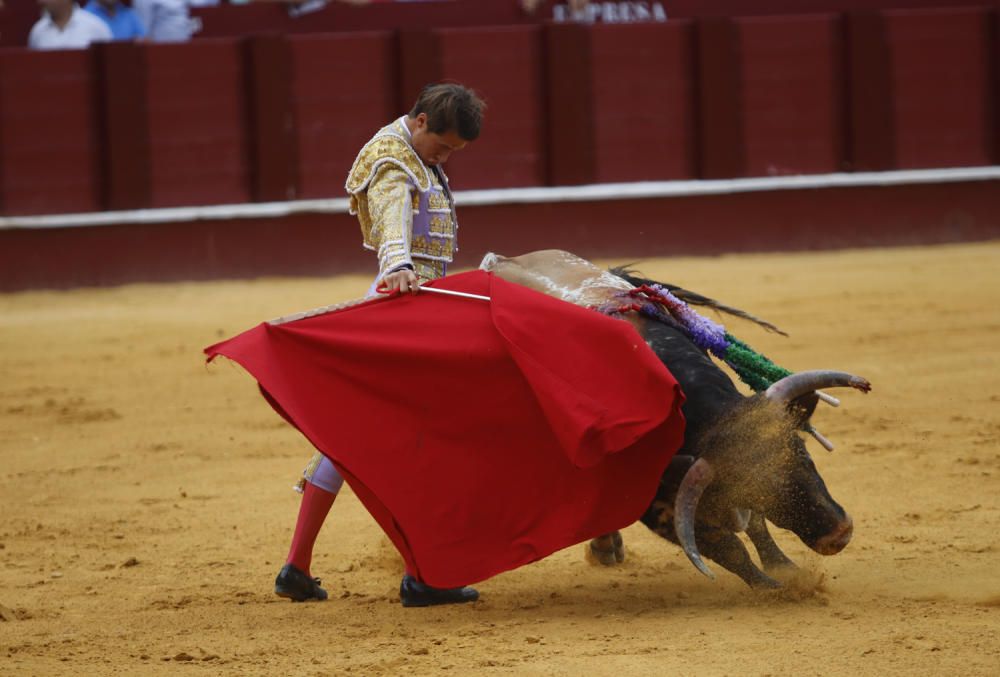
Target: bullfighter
(401,197)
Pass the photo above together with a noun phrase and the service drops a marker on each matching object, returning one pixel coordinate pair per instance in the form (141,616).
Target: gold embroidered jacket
(405,208)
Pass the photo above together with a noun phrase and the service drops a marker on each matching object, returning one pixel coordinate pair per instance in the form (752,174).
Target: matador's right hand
(403,280)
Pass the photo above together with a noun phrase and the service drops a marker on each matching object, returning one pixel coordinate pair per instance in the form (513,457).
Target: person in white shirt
(165,20)
(66,26)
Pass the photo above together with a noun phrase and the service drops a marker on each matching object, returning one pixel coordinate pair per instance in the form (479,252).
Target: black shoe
(414,593)
(293,584)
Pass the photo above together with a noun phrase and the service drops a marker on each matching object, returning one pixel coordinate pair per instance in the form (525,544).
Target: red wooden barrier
(778,220)
(196,103)
(127,182)
(274,160)
(569,63)
(49,149)
(794,108)
(621,103)
(16,19)
(271,118)
(720,103)
(771,96)
(728,8)
(923,89)
(175,124)
(343,89)
(643,102)
(995,112)
(871,128)
(307,244)
(941,71)
(504,65)
(17,16)
(325,244)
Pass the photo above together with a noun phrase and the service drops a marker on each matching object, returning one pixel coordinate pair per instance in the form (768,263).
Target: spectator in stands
(65,26)
(297,8)
(121,19)
(165,20)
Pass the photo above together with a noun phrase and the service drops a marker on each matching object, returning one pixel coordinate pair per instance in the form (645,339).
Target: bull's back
(559,274)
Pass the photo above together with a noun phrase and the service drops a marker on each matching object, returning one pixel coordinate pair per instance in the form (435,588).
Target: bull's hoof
(764,582)
(785,569)
(607,550)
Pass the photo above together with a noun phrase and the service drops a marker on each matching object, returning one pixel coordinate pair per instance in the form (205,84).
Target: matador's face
(433,148)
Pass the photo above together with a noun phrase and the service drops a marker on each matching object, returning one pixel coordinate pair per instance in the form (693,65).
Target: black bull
(743,461)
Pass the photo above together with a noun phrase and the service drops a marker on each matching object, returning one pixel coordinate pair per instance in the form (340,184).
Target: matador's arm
(390,204)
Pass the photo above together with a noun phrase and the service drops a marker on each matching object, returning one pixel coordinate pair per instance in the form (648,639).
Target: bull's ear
(802,408)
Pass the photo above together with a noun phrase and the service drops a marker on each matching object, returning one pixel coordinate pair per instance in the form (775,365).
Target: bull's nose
(836,540)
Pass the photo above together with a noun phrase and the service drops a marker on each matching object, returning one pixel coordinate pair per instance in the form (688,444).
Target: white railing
(500,196)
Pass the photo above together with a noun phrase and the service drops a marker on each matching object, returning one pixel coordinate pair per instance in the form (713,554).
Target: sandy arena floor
(146,502)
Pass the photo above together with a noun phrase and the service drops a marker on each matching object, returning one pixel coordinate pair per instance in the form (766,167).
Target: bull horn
(797,385)
(821,438)
(696,479)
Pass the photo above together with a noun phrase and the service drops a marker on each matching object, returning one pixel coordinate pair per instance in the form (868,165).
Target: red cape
(480,435)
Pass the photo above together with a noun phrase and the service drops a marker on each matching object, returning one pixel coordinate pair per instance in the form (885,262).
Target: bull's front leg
(608,549)
(724,547)
(771,556)
(716,543)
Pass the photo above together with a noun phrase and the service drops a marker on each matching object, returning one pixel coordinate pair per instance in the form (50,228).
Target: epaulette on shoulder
(386,147)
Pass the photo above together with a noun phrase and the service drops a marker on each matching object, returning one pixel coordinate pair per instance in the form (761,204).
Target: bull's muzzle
(836,540)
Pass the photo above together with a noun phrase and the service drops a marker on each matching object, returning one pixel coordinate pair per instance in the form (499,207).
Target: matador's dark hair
(450,107)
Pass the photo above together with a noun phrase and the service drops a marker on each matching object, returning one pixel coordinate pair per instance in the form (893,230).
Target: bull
(743,461)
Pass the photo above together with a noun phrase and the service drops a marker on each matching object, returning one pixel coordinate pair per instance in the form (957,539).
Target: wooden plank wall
(282,117)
